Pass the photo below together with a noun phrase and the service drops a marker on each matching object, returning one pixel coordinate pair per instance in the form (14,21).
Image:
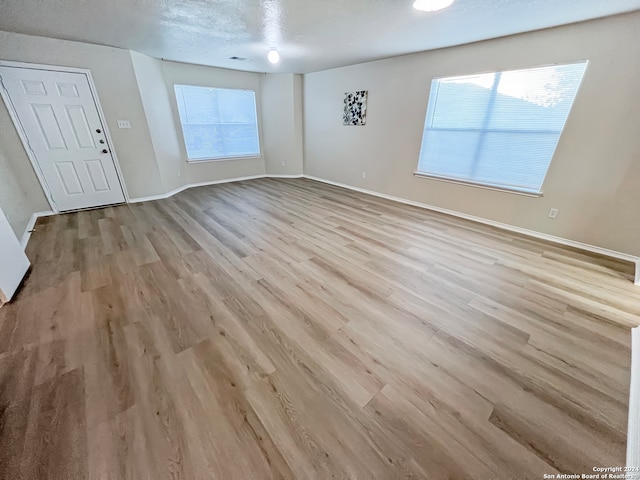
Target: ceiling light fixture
(431,5)
(273,56)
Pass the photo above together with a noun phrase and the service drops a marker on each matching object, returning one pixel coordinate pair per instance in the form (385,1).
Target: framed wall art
(355,108)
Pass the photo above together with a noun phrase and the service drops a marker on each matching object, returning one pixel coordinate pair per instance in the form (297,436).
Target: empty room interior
(274,239)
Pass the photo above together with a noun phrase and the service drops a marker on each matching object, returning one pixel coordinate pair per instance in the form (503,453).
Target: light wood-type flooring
(291,329)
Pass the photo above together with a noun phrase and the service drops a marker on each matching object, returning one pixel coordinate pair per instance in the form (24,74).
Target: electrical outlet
(284,164)
(124,124)
(553,213)
(364,175)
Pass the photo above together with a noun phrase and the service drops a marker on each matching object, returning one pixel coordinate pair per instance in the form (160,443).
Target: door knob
(98,130)
(105,150)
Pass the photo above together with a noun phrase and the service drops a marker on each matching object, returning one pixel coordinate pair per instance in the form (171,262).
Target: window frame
(225,158)
(487,185)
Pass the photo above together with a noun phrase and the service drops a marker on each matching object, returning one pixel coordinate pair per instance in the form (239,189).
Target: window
(218,122)
(498,129)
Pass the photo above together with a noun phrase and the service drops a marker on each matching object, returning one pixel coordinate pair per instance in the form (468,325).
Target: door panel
(81,129)
(49,126)
(32,87)
(68,176)
(58,114)
(67,90)
(97,175)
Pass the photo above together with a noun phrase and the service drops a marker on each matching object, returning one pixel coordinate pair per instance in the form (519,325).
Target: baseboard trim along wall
(633,435)
(504,226)
(473,218)
(633,431)
(162,196)
(34,217)
(31,225)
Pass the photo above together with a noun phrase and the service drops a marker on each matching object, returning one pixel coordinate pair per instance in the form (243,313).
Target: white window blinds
(498,129)
(217,122)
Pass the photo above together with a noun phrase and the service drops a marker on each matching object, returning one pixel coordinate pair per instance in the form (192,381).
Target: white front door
(59,117)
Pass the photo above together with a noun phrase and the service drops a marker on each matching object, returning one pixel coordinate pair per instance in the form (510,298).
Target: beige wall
(162,129)
(130,86)
(115,82)
(279,106)
(282,123)
(20,191)
(156,79)
(594,178)
(186,74)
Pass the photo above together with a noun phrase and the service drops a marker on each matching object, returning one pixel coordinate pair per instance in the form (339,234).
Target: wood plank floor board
(502,369)
(388,359)
(600,325)
(428,442)
(555,438)
(55,437)
(117,448)
(289,329)
(18,376)
(481,438)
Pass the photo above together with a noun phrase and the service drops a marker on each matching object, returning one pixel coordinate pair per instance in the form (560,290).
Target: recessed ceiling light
(273,56)
(431,5)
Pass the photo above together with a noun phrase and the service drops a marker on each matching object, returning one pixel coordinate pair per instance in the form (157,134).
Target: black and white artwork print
(355,108)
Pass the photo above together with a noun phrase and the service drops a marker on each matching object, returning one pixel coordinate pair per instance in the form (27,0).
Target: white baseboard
(633,430)
(504,226)
(32,221)
(473,218)
(31,225)
(182,188)
(283,176)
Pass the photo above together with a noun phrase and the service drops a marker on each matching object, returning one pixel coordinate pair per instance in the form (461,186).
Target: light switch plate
(124,124)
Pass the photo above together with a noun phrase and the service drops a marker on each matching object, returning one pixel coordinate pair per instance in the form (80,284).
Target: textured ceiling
(310,35)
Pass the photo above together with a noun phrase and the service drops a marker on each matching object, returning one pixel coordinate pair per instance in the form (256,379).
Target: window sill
(470,183)
(223,159)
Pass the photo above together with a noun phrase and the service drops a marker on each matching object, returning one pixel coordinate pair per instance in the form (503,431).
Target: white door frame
(23,136)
